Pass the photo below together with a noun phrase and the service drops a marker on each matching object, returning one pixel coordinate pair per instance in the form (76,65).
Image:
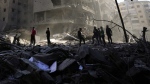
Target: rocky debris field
(62,64)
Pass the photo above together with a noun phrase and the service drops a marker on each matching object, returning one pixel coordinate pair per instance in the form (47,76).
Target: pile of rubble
(59,64)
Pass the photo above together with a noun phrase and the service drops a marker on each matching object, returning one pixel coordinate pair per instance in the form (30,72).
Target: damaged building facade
(16,14)
(136,16)
(63,16)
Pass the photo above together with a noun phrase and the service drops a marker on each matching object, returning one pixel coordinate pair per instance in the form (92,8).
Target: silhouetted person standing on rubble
(109,34)
(48,36)
(33,33)
(95,35)
(15,39)
(99,35)
(102,35)
(80,36)
(144,34)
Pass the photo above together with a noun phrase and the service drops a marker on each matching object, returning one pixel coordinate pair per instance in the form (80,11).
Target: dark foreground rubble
(59,64)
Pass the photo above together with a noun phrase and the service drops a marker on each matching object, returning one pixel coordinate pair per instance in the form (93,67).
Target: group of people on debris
(98,34)
(33,33)
(33,39)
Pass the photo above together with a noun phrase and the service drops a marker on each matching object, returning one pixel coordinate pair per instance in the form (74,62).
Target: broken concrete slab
(97,56)
(133,71)
(5,70)
(65,64)
(40,64)
(33,78)
(9,81)
(45,49)
(19,73)
(53,67)
(49,58)
(68,64)
(83,51)
(47,78)
(36,49)
(93,73)
(31,66)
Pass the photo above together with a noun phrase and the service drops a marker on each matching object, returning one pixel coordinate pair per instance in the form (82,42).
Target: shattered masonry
(62,64)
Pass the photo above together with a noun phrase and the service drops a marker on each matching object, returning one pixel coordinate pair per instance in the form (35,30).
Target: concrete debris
(53,67)
(39,64)
(62,64)
(83,51)
(65,64)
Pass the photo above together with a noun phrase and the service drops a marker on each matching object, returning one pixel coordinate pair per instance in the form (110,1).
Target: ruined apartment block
(63,16)
(15,14)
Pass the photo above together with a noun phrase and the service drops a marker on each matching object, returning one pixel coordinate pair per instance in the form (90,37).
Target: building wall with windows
(4,11)
(65,16)
(15,13)
(137,15)
(0,9)
(30,14)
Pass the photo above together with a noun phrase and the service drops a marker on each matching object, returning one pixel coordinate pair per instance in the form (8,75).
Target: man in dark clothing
(99,35)
(33,33)
(18,41)
(95,35)
(48,36)
(144,33)
(102,35)
(80,36)
(15,39)
(109,34)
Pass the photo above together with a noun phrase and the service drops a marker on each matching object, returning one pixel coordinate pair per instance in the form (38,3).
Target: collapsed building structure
(70,64)
(63,16)
(15,14)
(136,15)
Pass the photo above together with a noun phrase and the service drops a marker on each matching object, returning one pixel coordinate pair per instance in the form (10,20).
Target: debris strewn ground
(62,64)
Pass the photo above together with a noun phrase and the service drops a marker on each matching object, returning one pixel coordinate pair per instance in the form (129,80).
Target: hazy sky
(139,0)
